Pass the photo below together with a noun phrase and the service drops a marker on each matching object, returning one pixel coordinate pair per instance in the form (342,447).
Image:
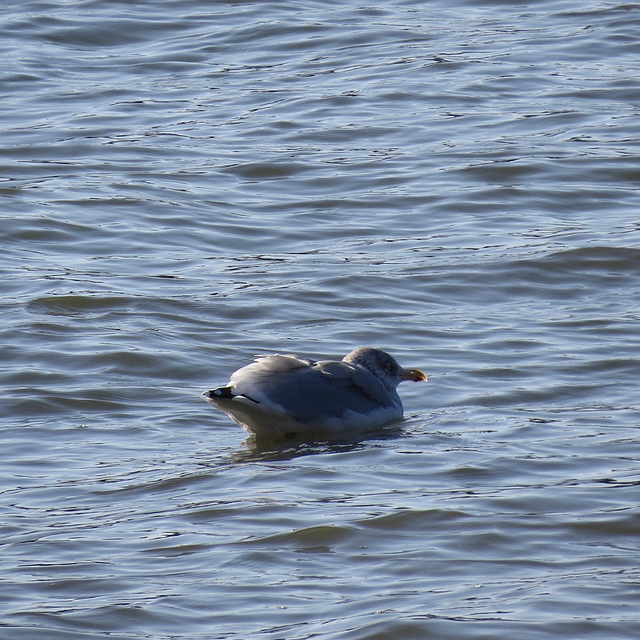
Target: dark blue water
(187,184)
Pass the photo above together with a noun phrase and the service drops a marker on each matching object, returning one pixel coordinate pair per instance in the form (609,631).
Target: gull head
(383,366)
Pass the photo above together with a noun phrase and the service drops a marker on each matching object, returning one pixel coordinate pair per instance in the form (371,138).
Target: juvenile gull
(278,395)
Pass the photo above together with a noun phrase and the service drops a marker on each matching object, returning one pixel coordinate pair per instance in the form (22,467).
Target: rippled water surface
(185,184)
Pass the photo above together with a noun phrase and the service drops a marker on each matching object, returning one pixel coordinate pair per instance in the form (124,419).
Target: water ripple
(187,187)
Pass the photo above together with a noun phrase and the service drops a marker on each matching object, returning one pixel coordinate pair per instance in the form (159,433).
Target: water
(187,184)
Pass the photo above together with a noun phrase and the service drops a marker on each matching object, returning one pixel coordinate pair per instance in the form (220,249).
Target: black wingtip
(225,393)
(222,392)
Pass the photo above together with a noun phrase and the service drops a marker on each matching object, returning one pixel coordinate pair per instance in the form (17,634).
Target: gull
(285,396)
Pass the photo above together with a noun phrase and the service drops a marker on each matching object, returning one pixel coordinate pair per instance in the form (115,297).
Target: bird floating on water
(282,395)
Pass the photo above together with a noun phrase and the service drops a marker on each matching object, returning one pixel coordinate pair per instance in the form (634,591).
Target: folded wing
(311,391)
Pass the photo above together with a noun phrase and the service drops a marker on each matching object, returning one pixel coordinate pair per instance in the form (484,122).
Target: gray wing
(326,390)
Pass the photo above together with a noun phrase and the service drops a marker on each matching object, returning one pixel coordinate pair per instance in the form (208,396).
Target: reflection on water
(265,450)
